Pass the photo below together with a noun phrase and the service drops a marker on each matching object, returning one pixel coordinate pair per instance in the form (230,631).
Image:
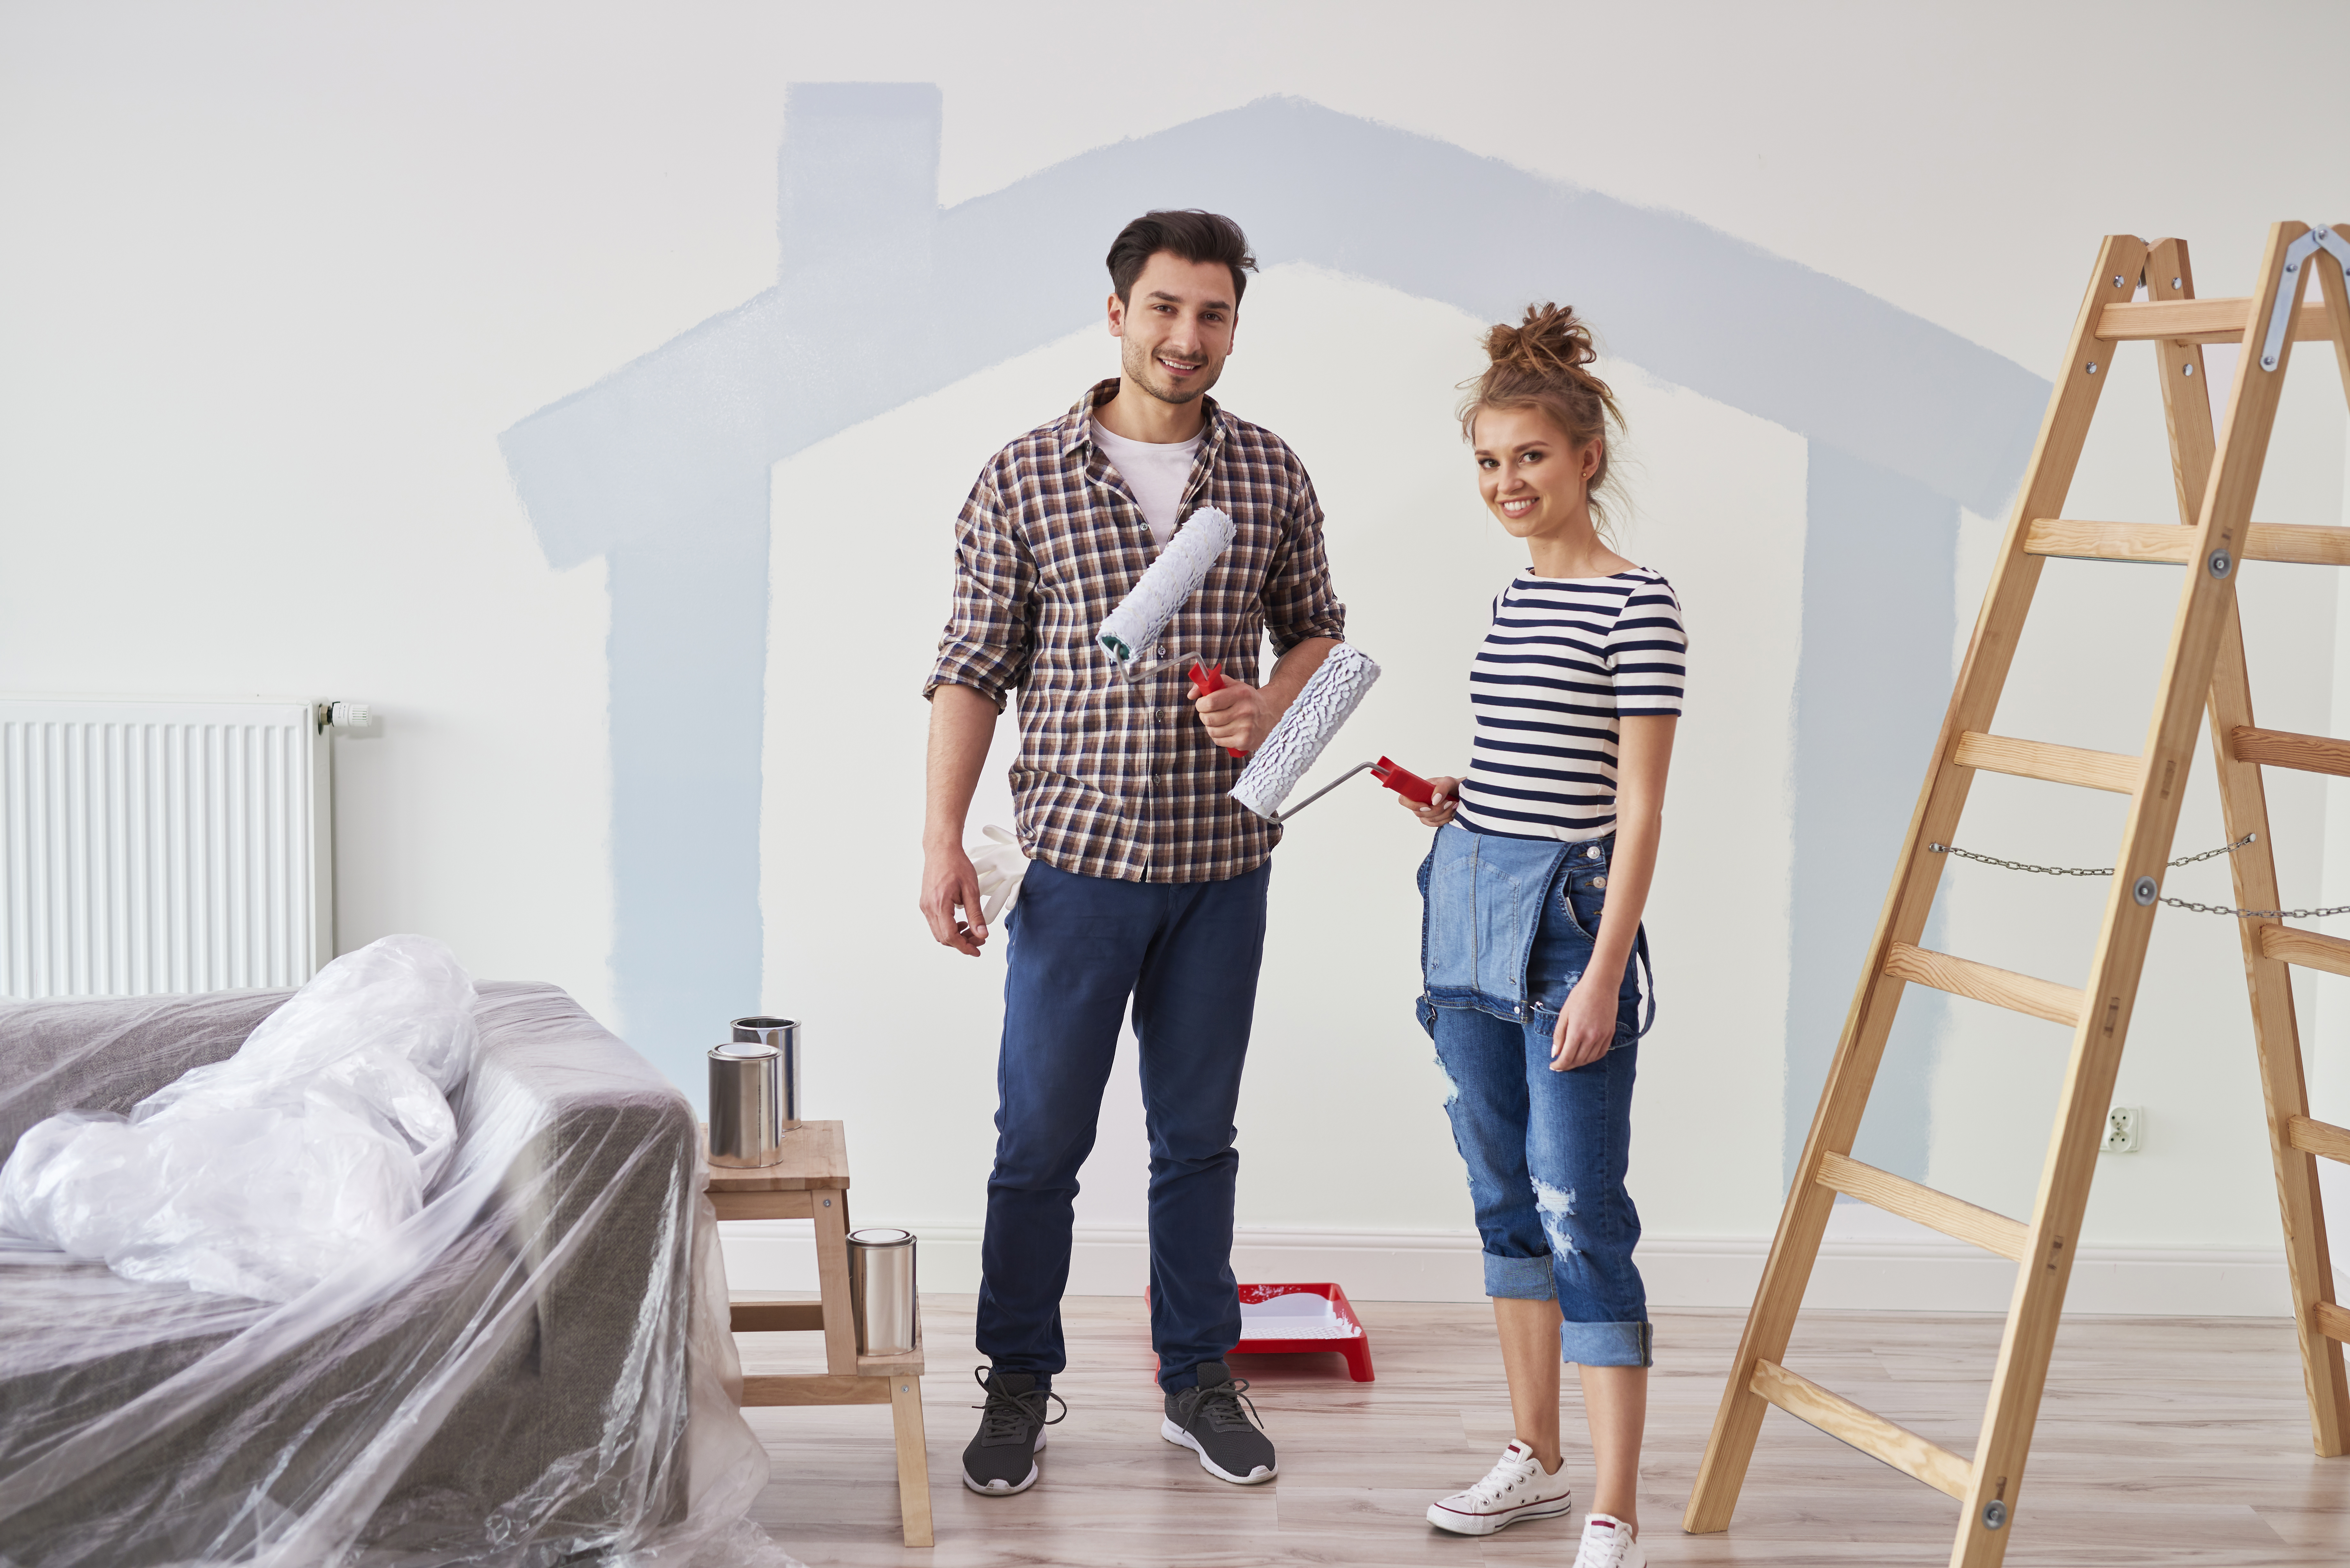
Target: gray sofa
(519,1398)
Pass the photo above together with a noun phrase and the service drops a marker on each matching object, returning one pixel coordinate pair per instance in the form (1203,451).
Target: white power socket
(2125,1130)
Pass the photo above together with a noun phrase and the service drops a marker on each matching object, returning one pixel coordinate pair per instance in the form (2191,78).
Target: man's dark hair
(1192,234)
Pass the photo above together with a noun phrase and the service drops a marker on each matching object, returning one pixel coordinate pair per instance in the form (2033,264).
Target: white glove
(1000,866)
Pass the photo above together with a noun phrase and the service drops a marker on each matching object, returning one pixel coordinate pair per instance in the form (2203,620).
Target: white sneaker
(1607,1543)
(1515,1488)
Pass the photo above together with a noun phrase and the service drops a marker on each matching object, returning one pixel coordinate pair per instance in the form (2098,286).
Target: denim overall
(1508,929)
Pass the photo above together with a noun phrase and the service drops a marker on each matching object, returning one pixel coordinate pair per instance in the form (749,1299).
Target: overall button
(1599,881)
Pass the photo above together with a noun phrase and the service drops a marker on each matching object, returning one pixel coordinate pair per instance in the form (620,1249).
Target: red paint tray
(1281,1320)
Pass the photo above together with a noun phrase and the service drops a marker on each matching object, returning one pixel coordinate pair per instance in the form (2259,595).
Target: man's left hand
(1238,716)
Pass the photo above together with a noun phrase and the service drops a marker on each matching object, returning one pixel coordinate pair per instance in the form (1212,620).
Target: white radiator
(162,846)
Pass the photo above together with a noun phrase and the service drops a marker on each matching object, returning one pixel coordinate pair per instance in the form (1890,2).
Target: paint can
(746,1124)
(784,1034)
(881,1295)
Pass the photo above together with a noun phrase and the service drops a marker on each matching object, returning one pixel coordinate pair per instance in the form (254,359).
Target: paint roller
(1328,700)
(1134,625)
(1326,703)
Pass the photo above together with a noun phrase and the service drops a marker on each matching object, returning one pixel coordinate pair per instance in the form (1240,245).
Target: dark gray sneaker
(1002,1459)
(1216,1421)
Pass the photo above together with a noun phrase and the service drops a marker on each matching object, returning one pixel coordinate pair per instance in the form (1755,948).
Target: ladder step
(2047,762)
(1869,1432)
(2310,1136)
(2000,987)
(2197,321)
(2330,1321)
(2310,950)
(1953,1217)
(2297,543)
(2284,749)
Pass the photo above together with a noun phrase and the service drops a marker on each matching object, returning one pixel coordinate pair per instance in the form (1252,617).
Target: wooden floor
(2161,1441)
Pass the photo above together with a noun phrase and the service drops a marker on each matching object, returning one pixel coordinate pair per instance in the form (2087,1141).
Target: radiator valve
(346,715)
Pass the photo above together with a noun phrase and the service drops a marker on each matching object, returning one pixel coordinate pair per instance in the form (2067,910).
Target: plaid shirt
(1114,779)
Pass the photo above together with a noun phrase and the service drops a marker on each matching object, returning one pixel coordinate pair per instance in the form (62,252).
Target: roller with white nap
(1328,700)
(1132,629)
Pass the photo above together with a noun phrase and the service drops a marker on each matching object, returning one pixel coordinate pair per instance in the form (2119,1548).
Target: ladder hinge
(2288,290)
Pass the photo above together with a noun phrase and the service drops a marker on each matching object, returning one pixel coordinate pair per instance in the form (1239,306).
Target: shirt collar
(1076,425)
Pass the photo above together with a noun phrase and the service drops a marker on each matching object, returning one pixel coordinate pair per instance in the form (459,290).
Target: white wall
(278,277)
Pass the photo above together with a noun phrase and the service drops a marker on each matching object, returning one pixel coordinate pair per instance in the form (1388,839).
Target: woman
(1533,893)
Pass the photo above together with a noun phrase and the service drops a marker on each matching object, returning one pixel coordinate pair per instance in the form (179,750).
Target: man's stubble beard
(1140,366)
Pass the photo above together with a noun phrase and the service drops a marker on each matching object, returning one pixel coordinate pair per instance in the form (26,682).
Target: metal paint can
(784,1034)
(881,1294)
(746,1123)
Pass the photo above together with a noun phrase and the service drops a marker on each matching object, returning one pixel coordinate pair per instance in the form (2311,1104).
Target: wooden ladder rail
(2238,748)
(2207,598)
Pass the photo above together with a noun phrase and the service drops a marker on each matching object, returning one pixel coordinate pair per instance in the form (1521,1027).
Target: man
(1146,881)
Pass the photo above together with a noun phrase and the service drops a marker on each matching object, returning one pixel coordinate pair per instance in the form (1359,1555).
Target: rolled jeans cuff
(1520,1279)
(1605,1343)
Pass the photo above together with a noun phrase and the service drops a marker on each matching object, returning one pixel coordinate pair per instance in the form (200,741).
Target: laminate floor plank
(2173,1443)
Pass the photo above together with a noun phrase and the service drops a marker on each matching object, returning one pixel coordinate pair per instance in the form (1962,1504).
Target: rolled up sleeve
(1299,601)
(989,637)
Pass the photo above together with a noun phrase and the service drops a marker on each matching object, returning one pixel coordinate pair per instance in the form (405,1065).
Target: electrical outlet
(2125,1129)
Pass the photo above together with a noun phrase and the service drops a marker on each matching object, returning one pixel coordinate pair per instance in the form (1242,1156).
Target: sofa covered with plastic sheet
(533,1370)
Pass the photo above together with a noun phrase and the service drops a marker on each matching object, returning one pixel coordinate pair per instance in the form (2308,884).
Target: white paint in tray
(1300,1314)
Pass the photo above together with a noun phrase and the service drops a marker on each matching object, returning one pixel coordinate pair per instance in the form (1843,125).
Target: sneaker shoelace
(1506,1473)
(1604,1550)
(1221,1405)
(1007,1417)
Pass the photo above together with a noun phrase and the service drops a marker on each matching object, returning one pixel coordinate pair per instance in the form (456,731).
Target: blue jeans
(1508,931)
(1186,954)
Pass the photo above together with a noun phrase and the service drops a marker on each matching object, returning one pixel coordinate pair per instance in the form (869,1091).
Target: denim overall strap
(1648,971)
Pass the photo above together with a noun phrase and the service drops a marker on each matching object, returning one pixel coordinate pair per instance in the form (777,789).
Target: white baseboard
(1870,1262)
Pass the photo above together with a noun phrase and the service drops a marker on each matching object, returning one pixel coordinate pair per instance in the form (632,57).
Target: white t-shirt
(1154,473)
(1566,659)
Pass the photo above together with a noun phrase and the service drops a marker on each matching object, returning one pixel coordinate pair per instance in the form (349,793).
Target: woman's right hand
(1439,810)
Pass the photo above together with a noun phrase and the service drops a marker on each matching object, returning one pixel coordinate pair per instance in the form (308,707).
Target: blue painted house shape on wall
(662,468)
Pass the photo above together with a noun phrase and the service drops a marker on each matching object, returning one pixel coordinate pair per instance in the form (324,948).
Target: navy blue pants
(1187,955)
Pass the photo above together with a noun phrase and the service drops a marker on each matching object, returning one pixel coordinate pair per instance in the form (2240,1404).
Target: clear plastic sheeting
(528,1363)
(261,1175)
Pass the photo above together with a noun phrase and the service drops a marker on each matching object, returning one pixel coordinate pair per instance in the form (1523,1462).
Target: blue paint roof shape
(884,298)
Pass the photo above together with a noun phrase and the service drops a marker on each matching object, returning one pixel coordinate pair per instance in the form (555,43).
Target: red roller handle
(1404,782)
(1204,681)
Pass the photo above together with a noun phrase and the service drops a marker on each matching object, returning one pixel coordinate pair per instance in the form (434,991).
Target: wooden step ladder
(2205,664)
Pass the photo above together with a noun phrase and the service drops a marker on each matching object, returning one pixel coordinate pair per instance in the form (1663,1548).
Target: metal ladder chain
(2174,903)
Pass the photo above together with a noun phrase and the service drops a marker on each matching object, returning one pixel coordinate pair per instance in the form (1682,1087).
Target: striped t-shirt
(1566,657)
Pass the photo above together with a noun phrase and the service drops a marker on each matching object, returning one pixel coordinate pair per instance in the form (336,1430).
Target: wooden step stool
(811,1182)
